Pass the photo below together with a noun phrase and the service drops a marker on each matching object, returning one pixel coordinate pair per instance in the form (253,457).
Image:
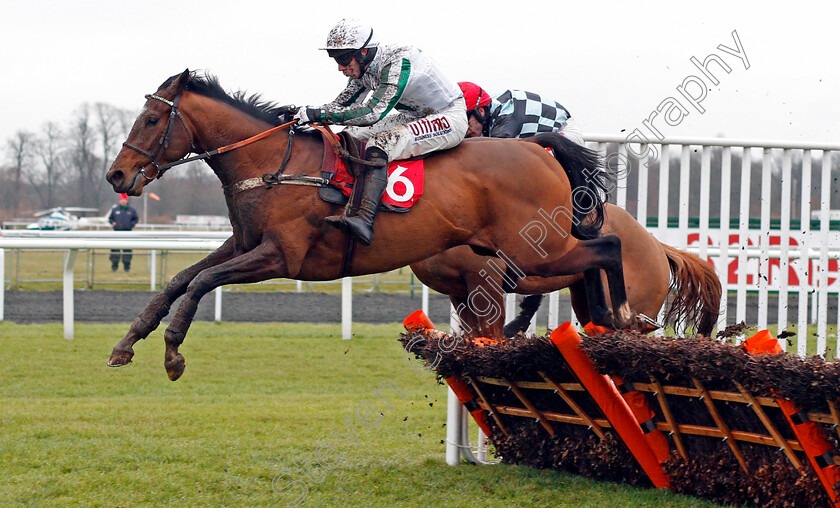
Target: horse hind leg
(589,257)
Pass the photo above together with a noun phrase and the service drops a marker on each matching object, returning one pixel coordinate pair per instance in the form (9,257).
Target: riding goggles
(345,58)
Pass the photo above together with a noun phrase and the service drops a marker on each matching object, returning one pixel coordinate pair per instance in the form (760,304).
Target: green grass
(254,399)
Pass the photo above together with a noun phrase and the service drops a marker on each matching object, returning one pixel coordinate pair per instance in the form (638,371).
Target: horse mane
(253,105)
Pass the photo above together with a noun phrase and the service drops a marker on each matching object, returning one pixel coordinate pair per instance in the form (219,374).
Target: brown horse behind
(279,231)
(648,267)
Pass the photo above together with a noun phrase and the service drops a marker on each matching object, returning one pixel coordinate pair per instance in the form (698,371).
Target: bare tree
(81,163)
(112,126)
(20,148)
(48,148)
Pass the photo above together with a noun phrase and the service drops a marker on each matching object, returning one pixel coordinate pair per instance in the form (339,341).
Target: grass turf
(256,401)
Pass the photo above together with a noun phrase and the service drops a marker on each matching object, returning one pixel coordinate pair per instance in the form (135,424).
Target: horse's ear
(182,80)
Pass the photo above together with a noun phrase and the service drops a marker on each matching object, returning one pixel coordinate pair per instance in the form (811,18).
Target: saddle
(341,171)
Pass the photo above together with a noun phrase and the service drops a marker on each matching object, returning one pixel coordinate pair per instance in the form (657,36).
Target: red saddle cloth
(405,182)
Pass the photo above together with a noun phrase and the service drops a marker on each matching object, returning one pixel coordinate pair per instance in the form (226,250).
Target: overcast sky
(610,63)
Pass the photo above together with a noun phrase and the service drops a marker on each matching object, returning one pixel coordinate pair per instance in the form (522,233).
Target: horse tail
(697,291)
(529,306)
(585,170)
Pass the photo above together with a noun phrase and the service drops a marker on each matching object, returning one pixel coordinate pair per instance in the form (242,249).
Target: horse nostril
(116,178)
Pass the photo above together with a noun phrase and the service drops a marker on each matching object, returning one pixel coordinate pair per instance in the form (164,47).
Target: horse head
(159,136)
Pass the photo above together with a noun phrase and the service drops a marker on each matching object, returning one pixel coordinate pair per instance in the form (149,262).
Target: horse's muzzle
(122,183)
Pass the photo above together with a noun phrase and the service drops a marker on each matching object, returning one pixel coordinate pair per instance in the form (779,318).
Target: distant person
(516,114)
(122,218)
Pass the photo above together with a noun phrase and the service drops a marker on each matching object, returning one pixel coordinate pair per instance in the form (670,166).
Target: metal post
(482,446)
(553,309)
(153,270)
(510,307)
(347,308)
(2,282)
(92,268)
(89,268)
(15,273)
(69,265)
(218,317)
(453,428)
(424,299)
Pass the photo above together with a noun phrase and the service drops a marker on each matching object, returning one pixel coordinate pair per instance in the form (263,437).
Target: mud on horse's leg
(263,262)
(158,308)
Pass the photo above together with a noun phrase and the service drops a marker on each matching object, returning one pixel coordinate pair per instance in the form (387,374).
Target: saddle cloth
(405,180)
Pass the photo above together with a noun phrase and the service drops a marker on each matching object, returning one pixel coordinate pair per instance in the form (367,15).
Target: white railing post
(218,307)
(2,283)
(725,199)
(685,188)
(152,270)
(743,235)
(68,276)
(454,421)
(482,445)
(554,309)
(784,244)
(424,300)
(805,272)
(347,308)
(622,170)
(822,305)
(662,212)
(453,428)
(510,307)
(764,240)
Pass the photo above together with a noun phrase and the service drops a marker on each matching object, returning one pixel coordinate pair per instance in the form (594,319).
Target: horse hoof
(175,367)
(120,357)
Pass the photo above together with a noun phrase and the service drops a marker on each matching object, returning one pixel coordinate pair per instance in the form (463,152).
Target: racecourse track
(103,306)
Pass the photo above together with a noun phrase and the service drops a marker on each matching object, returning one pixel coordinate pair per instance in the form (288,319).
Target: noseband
(163,142)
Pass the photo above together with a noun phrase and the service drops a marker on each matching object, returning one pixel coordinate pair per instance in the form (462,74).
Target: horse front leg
(264,262)
(148,320)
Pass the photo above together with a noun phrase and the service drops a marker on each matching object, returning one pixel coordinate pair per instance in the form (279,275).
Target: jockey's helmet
(347,38)
(474,95)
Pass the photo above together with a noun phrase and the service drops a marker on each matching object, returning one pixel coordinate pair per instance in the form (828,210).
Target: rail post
(347,308)
(2,282)
(69,266)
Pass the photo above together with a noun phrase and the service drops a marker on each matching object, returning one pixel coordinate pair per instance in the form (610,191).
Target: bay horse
(651,271)
(279,231)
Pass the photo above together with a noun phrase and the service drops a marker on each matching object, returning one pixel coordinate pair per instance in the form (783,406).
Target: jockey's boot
(376,178)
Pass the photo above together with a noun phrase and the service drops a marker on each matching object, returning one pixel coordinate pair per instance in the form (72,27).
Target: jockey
(397,100)
(516,114)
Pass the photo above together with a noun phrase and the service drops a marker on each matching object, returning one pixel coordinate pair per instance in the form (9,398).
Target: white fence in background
(784,260)
(761,260)
(74,241)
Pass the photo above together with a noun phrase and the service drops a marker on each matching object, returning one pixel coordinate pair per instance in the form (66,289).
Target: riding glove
(307,115)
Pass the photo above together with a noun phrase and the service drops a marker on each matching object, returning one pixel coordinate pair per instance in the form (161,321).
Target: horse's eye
(152,121)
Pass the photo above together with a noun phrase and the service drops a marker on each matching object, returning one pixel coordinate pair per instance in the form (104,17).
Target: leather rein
(165,137)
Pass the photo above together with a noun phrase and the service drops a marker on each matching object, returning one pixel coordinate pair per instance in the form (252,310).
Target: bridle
(163,142)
